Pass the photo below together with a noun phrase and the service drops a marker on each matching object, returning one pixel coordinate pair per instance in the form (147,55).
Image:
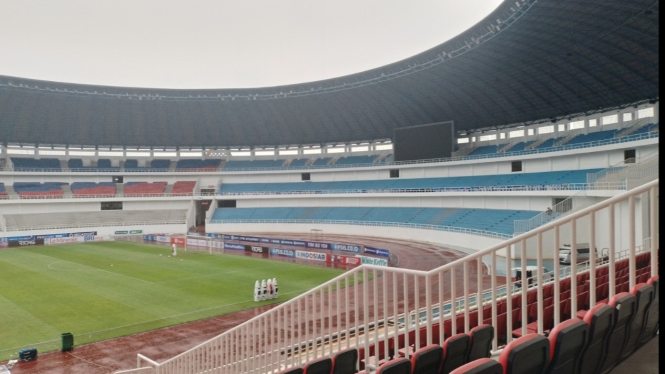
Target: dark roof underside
(546,59)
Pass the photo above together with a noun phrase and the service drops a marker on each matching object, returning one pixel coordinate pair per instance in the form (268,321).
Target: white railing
(633,168)
(595,143)
(463,230)
(68,225)
(375,309)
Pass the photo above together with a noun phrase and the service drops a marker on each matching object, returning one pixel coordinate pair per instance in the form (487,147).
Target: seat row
(601,338)
(455,351)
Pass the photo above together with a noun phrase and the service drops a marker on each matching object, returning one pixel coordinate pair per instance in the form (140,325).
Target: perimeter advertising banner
(315,256)
(346,247)
(283,252)
(377,252)
(67,240)
(25,243)
(374,261)
(263,251)
(233,246)
(342,259)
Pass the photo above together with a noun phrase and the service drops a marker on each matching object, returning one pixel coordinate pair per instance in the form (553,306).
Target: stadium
(489,205)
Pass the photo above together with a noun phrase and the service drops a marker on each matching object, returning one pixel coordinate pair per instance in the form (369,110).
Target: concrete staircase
(173,165)
(67,191)
(64,166)
(168,189)
(11,191)
(222,163)
(119,190)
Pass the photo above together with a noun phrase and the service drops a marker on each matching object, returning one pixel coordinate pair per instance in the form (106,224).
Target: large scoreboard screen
(435,140)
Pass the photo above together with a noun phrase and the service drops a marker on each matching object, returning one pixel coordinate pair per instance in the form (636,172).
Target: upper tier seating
(102,189)
(549,143)
(39,190)
(492,220)
(197,165)
(75,163)
(155,165)
(591,137)
(3,191)
(462,183)
(484,150)
(31,221)
(299,162)
(322,161)
(183,188)
(29,164)
(355,160)
(256,164)
(144,188)
(105,164)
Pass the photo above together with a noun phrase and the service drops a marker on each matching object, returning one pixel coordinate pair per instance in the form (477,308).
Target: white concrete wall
(110,230)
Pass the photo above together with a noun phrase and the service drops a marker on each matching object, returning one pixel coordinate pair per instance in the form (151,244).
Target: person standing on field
(173,249)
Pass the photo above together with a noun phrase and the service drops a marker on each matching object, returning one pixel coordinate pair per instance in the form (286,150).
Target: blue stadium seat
(31,164)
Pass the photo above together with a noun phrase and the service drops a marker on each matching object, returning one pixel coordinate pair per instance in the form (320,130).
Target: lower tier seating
(33,190)
(492,220)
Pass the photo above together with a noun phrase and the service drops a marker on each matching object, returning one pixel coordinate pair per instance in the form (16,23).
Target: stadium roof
(529,60)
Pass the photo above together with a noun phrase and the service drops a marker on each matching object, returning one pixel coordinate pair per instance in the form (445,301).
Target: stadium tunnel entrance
(202,207)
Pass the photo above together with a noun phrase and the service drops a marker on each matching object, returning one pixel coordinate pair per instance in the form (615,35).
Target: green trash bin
(67,341)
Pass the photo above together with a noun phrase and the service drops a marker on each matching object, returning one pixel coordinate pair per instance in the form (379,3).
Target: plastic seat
(651,325)
(319,366)
(455,352)
(481,342)
(529,354)
(625,305)
(291,371)
(480,366)
(427,360)
(345,361)
(567,341)
(644,294)
(397,366)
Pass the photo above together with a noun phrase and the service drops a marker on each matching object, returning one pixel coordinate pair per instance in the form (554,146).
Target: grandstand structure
(556,109)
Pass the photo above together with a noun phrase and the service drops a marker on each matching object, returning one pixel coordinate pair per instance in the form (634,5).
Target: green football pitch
(104,290)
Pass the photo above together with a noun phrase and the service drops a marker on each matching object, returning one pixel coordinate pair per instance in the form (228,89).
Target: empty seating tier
(32,190)
(257,164)
(486,220)
(554,179)
(197,165)
(34,221)
(102,189)
(144,188)
(31,164)
(183,188)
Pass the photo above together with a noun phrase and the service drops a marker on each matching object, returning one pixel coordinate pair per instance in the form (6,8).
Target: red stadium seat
(345,361)
(644,294)
(319,366)
(625,305)
(397,366)
(652,322)
(480,366)
(600,319)
(481,342)
(567,341)
(529,354)
(427,360)
(455,352)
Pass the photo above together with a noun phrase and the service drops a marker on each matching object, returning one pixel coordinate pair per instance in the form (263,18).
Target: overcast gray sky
(223,43)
